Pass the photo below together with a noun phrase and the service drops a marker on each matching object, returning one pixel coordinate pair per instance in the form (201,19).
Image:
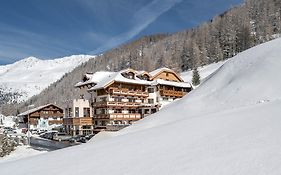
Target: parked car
(41,131)
(59,136)
(78,138)
(34,131)
(48,135)
(88,137)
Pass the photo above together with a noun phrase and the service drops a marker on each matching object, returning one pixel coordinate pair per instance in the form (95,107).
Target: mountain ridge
(31,75)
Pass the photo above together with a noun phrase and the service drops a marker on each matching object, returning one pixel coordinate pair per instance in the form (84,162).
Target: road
(48,145)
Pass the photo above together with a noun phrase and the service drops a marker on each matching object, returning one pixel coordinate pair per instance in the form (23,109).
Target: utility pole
(28,125)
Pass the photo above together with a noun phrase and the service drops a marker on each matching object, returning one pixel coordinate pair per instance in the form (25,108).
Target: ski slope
(31,75)
(229,125)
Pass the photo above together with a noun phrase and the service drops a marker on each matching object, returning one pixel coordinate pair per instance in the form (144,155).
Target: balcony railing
(78,121)
(118,116)
(115,127)
(124,91)
(172,93)
(115,104)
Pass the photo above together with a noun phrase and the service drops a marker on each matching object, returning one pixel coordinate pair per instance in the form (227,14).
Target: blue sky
(57,28)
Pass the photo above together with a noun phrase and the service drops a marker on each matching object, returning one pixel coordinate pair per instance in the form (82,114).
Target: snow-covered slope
(229,125)
(204,71)
(31,75)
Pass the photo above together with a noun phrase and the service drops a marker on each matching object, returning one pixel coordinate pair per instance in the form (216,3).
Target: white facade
(78,108)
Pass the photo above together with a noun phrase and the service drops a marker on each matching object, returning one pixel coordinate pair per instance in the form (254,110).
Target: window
(86,112)
(76,111)
(131,75)
(132,99)
(167,74)
(118,111)
(117,99)
(86,127)
(102,111)
(132,111)
(165,98)
(103,123)
(150,100)
(70,112)
(150,90)
(103,99)
(145,77)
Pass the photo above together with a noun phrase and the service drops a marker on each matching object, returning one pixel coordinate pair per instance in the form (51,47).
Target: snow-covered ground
(7,121)
(31,75)
(229,125)
(204,71)
(19,153)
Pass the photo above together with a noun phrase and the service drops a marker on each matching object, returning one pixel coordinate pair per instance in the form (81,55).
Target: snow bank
(19,153)
(229,125)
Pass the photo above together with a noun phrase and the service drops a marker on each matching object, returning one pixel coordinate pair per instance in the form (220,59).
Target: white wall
(81,104)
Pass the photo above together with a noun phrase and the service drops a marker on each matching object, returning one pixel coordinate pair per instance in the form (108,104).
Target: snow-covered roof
(102,79)
(171,83)
(142,72)
(118,77)
(157,71)
(35,109)
(94,78)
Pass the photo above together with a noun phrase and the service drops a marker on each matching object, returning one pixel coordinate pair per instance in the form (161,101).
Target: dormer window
(85,78)
(131,75)
(145,77)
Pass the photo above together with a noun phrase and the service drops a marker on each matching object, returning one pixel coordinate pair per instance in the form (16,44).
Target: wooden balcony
(116,104)
(127,92)
(118,116)
(57,122)
(115,127)
(171,93)
(78,121)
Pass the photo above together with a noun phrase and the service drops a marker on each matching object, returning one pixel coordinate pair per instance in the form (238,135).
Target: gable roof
(37,109)
(156,72)
(103,79)
(118,77)
(94,78)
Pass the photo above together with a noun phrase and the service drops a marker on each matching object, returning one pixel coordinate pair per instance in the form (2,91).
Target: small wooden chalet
(41,117)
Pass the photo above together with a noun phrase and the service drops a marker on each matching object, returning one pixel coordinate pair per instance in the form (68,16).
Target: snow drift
(31,75)
(229,125)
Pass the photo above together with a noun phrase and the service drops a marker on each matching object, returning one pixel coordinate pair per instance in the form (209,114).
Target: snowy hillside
(31,75)
(230,125)
(204,71)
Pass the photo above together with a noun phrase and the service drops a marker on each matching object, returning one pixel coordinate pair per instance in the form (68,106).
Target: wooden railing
(115,104)
(124,91)
(78,121)
(115,127)
(57,122)
(172,93)
(118,116)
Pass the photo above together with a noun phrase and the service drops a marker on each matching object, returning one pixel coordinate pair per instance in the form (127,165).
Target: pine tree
(195,77)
